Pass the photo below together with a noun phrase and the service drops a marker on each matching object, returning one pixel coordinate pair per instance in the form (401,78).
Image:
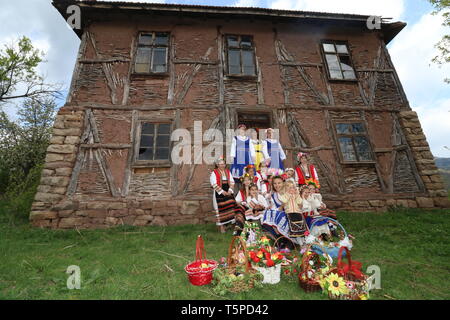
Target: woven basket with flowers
(237,275)
(346,281)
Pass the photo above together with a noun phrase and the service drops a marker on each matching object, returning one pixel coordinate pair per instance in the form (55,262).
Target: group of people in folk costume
(286,201)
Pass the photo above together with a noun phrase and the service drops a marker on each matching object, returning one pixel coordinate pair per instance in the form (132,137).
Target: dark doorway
(257,120)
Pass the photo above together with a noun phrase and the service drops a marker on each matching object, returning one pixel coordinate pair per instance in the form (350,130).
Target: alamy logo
(74,18)
(74,279)
(374,281)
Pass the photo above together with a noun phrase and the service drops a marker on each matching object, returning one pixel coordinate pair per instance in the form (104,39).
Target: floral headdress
(242,126)
(221,158)
(301,154)
(245,175)
(312,182)
(250,166)
(274,172)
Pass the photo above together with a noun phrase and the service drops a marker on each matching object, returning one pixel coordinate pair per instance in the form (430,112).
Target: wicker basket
(244,284)
(355,280)
(331,251)
(198,275)
(307,283)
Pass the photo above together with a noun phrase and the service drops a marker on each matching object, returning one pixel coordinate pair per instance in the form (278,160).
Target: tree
(18,75)
(23,144)
(443,46)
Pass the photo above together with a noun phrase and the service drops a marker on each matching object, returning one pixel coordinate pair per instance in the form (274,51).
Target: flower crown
(274,172)
(301,154)
(313,182)
(245,175)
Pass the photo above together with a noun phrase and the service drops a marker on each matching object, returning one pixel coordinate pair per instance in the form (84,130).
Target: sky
(411,51)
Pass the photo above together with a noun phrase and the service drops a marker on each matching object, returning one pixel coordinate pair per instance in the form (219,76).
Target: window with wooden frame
(153,143)
(353,142)
(240,53)
(152,53)
(338,61)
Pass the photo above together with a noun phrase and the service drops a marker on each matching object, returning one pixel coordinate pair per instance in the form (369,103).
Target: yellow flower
(363,297)
(322,282)
(336,285)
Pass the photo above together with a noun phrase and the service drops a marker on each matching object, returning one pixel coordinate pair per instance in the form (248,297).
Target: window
(257,119)
(353,142)
(152,51)
(154,142)
(338,61)
(240,56)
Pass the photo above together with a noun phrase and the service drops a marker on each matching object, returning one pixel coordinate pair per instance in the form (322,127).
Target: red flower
(306,233)
(286,271)
(252,255)
(270,263)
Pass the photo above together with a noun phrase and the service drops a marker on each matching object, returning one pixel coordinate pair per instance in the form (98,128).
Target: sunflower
(336,285)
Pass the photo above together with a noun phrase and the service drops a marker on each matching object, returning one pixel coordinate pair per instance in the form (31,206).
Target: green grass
(410,246)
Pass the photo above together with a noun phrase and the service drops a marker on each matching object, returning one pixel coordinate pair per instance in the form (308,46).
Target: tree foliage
(443,46)
(18,73)
(23,146)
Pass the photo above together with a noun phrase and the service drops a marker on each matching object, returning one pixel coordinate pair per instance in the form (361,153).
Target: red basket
(197,275)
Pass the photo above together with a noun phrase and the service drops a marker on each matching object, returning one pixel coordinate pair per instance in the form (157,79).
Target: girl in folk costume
(272,149)
(241,151)
(244,192)
(255,176)
(265,185)
(305,171)
(256,204)
(257,155)
(223,197)
(290,175)
(293,205)
(309,210)
(318,202)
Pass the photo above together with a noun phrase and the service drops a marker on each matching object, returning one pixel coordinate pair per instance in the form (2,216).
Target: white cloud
(435,120)
(411,53)
(247,3)
(386,8)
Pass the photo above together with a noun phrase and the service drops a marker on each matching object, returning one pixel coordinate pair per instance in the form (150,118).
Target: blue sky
(411,51)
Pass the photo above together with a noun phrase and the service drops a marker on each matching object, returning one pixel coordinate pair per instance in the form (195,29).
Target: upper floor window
(353,142)
(154,144)
(338,61)
(152,53)
(240,55)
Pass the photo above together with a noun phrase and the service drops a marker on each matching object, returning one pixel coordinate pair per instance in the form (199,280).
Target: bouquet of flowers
(266,262)
(263,258)
(346,281)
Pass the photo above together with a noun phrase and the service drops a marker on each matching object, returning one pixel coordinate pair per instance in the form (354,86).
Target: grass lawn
(410,246)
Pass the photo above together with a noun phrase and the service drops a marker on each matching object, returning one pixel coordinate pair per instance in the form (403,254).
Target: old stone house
(325,80)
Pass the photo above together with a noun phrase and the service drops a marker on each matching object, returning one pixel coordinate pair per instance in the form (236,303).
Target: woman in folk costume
(257,155)
(309,210)
(305,171)
(255,204)
(272,150)
(274,221)
(223,198)
(241,151)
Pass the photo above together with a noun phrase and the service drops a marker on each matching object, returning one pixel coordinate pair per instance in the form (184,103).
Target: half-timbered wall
(91,178)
